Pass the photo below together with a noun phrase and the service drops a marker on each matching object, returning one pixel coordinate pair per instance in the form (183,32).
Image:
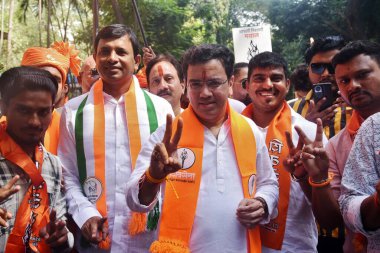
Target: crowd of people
(198,154)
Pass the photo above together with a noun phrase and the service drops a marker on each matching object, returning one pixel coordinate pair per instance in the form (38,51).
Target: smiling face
(359,83)
(267,88)
(115,60)
(208,90)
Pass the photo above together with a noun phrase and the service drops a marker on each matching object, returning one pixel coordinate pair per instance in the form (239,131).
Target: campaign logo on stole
(93,189)
(187,159)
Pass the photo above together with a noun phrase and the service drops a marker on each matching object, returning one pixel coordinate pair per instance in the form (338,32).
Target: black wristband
(264,203)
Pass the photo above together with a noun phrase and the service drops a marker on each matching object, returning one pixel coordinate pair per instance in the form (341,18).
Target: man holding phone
(323,101)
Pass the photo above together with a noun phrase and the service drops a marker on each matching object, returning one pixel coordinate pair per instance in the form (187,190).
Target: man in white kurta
(217,224)
(113,68)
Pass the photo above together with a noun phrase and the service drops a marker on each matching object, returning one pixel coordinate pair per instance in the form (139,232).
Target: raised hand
(95,229)
(148,55)
(55,232)
(293,164)
(314,157)
(164,159)
(326,115)
(9,189)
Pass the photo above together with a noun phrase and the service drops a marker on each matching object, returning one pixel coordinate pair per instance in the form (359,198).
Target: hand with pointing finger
(95,229)
(55,232)
(313,112)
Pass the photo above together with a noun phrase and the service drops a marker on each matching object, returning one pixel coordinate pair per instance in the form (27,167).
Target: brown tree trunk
(116,9)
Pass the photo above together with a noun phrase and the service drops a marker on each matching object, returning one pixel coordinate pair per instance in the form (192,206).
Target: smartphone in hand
(323,90)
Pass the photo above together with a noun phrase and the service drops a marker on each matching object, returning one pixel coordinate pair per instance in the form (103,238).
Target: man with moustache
(318,58)
(357,73)
(215,165)
(165,79)
(294,228)
(101,135)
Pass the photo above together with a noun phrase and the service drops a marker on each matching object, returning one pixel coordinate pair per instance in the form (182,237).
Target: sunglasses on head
(319,68)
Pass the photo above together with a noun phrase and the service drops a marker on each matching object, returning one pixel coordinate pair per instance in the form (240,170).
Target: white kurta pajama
(117,163)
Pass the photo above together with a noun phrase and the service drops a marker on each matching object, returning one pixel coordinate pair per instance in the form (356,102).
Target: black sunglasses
(319,68)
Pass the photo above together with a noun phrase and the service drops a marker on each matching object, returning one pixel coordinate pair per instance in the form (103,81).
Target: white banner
(249,41)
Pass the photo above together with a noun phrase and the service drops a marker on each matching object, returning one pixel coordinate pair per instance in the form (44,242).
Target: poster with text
(249,41)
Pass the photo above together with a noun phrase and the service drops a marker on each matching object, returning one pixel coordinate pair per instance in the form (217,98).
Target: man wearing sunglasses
(240,83)
(318,58)
(88,74)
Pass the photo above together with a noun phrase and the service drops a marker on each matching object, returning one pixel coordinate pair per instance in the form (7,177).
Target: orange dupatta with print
(33,213)
(272,234)
(178,213)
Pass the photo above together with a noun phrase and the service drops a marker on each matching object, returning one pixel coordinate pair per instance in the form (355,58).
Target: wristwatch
(264,203)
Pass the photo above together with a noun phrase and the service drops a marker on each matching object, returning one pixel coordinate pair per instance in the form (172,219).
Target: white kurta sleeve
(142,163)
(79,206)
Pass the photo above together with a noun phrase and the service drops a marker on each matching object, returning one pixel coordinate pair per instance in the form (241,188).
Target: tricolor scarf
(33,213)
(272,234)
(90,142)
(178,213)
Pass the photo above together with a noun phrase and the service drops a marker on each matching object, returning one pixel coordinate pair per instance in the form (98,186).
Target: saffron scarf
(178,213)
(90,143)
(52,133)
(354,124)
(33,213)
(272,234)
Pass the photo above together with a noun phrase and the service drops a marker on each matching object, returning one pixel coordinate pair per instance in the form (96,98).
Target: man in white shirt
(216,166)
(101,134)
(165,79)
(294,230)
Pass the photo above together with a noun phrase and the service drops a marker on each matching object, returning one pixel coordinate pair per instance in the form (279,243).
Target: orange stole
(52,133)
(33,213)
(272,234)
(178,214)
(354,123)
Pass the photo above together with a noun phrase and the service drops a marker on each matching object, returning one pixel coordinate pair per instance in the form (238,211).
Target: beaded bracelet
(323,182)
(152,179)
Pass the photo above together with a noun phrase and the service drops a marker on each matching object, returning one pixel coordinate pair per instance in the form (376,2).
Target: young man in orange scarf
(357,72)
(294,227)
(57,59)
(35,214)
(219,182)
(101,135)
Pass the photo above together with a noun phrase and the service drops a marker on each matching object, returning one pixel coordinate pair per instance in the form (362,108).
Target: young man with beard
(215,165)
(318,58)
(294,228)
(357,72)
(165,79)
(33,218)
(101,135)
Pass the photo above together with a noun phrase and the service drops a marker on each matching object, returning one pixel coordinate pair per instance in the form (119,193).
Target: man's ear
(137,60)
